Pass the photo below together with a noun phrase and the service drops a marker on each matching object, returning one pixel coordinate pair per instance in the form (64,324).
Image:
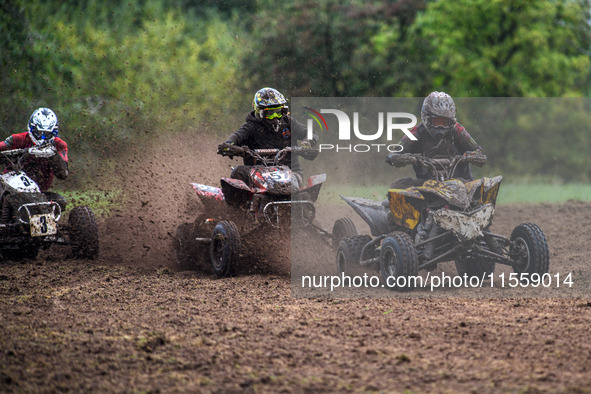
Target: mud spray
(161,209)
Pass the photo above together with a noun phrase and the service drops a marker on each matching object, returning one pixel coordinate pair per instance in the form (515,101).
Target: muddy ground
(132,321)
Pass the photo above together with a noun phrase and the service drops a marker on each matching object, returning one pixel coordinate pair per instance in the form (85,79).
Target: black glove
(401,159)
(475,157)
(308,154)
(229,149)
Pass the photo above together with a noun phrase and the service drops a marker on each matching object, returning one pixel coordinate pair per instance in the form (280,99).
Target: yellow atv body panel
(405,204)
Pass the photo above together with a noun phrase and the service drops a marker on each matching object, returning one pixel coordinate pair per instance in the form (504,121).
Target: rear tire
(349,252)
(189,253)
(343,228)
(398,259)
(83,231)
(225,248)
(529,249)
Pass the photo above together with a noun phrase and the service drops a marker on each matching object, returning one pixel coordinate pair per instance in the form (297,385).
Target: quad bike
(29,221)
(269,202)
(445,219)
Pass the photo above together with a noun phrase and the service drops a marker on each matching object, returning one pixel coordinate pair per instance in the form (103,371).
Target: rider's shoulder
(19,139)
(59,143)
(460,130)
(419,130)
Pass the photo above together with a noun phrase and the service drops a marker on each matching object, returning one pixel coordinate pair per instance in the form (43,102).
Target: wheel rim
(523,257)
(219,245)
(390,262)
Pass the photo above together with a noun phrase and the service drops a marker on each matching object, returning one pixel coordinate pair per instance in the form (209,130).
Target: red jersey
(39,169)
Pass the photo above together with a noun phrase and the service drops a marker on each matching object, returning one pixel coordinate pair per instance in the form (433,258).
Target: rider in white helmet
(42,131)
(439,135)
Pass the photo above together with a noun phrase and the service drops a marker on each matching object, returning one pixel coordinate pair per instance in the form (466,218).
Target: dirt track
(132,322)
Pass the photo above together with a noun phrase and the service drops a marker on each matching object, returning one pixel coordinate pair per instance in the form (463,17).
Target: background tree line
(124,71)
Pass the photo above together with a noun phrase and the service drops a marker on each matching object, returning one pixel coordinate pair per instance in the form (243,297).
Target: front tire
(529,249)
(398,262)
(83,231)
(225,248)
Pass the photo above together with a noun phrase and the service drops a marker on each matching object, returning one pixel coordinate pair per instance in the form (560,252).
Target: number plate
(42,225)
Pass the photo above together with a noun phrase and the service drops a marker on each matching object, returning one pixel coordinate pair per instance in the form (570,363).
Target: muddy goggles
(274,112)
(441,121)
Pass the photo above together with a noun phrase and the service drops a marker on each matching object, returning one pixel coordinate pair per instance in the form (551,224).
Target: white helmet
(43,126)
(438,113)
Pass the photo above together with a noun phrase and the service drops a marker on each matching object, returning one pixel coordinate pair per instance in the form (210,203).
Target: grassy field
(510,193)
(101,202)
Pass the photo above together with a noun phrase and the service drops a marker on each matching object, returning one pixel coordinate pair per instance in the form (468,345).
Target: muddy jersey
(258,134)
(456,142)
(41,170)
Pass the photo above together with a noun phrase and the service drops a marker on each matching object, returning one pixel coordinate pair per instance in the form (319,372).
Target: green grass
(543,192)
(510,193)
(101,202)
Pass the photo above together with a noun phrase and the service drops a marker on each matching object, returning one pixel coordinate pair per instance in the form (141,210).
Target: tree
(506,47)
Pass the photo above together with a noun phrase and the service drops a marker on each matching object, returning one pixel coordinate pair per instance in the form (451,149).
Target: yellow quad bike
(445,219)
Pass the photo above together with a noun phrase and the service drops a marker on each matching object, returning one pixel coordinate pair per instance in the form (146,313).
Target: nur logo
(392,122)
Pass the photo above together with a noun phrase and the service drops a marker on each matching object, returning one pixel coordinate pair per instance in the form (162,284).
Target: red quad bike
(236,209)
(445,219)
(29,221)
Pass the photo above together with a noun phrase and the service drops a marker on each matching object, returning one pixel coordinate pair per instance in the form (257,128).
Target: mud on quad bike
(29,221)
(445,219)
(237,209)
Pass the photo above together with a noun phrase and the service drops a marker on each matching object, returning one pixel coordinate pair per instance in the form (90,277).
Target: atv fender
(312,189)
(236,192)
(485,190)
(373,212)
(208,193)
(315,180)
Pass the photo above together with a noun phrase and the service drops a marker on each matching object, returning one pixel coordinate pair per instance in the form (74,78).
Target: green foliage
(118,73)
(318,48)
(506,47)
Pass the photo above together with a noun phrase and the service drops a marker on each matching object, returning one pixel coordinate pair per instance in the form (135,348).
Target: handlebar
(404,159)
(13,152)
(439,167)
(263,154)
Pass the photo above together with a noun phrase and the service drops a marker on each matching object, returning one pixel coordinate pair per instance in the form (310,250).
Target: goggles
(272,113)
(441,121)
(43,134)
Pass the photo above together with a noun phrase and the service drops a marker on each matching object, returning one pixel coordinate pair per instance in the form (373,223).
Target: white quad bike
(30,221)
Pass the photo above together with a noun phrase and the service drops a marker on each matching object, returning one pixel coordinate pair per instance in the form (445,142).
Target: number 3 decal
(43,221)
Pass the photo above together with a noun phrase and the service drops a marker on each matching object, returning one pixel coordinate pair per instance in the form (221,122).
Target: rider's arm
(59,161)
(300,132)
(6,144)
(465,142)
(241,136)
(408,145)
